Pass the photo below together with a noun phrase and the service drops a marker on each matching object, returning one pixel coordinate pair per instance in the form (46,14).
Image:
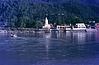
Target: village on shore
(61,28)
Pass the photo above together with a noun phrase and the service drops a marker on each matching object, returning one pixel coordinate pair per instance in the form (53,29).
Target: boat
(14,35)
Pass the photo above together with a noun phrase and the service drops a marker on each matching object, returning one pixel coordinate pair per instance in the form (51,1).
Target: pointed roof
(46,21)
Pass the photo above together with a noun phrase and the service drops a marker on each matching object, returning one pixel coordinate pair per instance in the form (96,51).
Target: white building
(46,26)
(63,27)
(79,26)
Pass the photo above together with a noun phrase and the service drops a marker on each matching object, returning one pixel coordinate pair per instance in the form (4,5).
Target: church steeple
(47,26)
(46,21)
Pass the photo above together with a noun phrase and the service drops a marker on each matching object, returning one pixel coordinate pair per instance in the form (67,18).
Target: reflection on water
(55,48)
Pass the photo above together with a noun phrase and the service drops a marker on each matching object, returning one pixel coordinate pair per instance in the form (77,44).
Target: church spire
(46,21)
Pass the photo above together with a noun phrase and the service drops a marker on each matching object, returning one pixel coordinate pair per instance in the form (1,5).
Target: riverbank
(34,30)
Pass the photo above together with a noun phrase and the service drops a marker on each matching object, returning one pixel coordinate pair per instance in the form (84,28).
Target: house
(80,27)
(63,27)
(97,26)
(92,24)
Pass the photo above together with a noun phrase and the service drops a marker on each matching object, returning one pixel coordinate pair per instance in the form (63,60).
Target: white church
(46,25)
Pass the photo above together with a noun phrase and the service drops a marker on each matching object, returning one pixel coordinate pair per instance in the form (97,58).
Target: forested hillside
(31,13)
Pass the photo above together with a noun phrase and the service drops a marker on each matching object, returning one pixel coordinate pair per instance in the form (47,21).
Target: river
(55,48)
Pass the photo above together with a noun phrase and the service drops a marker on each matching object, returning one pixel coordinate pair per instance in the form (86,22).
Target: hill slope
(23,12)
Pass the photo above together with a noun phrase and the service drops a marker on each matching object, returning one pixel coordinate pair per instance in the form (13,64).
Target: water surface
(70,48)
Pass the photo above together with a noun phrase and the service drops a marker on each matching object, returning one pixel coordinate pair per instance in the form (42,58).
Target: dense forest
(31,13)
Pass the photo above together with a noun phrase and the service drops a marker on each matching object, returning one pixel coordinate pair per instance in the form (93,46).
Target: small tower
(46,26)
(46,21)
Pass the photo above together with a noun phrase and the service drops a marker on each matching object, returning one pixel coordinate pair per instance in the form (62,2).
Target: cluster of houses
(77,27)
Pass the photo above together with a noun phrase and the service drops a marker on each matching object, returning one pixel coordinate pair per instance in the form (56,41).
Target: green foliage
(27,13)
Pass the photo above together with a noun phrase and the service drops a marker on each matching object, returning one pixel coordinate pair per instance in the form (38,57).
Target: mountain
(29,12)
